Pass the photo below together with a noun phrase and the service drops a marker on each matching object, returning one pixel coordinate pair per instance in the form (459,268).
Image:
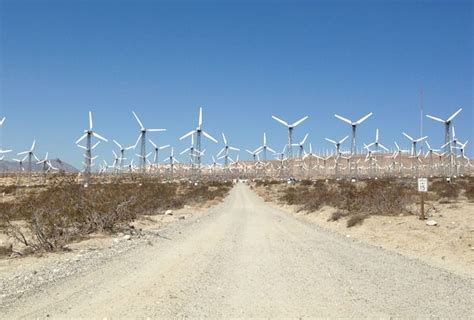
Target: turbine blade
(153,144)
(435,118)
(118,144)
(454,115)
(406,135)
(80,139)
(98,136)
(364,118)
(91,124)
(187,134)
(299,121)
(281,121)
(345,138)
(207,135)
(223,138)
(200,117)
(138,120)
(343,119)
(155,130)
(304,139)
(331,141)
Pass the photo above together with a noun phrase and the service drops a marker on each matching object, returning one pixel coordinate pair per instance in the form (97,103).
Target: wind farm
(236,160)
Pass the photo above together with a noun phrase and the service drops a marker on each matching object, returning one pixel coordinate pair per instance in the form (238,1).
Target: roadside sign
(422,184)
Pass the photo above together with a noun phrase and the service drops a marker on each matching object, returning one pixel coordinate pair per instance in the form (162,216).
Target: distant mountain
(12,166)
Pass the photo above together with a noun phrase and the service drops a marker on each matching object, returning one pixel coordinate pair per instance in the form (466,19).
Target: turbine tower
(88,133)
(354,125)
(142,140)
(447,125)
(290,127)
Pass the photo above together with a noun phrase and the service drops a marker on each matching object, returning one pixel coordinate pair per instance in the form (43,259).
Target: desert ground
(449,244)
(243,257)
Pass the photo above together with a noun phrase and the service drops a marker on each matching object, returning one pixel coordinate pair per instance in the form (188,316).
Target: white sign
(422,185)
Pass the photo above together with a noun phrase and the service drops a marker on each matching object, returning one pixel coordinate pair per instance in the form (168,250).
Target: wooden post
(422,216)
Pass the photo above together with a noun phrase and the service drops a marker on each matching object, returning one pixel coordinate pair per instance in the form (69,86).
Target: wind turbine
(88,133)
(199,131)
(44,162)
(337,144)
(430,153)
(225,150)
(20,163)
(377,143)
(172,160)
(157,150)
(122,152)
(263,148)
(414,142)
(300,145)
(354,125)
(142,140)
(290,127)
(255,153)
(30,154)
(447,125)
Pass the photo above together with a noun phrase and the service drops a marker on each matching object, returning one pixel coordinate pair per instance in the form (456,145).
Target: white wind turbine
(290,127)
(300,146)
(255,153)
(30,154)
(337,144)
(354,125)
(157,150)
(263,148)
(44,162)
(142,140)
(414,142)
(88,133)
(199,131)
(172,160)
(122,152)
(377,143)
(2,152)
(225,151)
(447,125)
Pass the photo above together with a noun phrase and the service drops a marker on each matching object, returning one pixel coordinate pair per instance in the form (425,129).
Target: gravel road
(247,259)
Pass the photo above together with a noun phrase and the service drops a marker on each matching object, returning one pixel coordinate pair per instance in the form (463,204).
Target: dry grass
(64,212)
(356,219)
(386,197)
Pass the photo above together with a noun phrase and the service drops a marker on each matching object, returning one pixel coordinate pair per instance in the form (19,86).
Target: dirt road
(246,259)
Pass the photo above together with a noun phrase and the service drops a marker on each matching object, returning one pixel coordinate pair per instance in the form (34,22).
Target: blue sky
(243,61)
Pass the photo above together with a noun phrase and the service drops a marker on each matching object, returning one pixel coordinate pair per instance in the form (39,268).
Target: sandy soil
(448,245)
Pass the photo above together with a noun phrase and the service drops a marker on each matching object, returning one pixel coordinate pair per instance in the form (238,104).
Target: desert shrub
(371,197)
(445,189)
(469,192)
(306,182)
(336,215)
(57,215)
(356,219)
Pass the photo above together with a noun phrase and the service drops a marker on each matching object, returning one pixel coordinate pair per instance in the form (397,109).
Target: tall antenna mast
(421,113)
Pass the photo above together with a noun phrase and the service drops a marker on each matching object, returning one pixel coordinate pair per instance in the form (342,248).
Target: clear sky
(242,61)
